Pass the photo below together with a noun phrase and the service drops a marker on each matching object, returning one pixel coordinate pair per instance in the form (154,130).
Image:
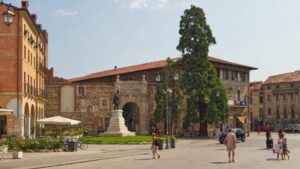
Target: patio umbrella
(58,120)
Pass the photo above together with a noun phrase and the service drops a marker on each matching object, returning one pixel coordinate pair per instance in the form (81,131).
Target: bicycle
(82,145)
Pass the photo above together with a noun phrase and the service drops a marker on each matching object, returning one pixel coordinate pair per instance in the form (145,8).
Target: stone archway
(26,120)
(131,117)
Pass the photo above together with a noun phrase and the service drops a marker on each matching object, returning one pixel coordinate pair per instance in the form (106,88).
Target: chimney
(34,17)
(25,4)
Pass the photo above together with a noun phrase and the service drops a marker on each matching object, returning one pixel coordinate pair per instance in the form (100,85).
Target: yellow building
(23,62)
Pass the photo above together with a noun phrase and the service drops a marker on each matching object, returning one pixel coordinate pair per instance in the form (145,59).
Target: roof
(146,66)
(284,78)
(256,85)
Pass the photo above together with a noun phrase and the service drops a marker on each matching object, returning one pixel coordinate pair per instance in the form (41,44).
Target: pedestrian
(269,140)
(279,146)
(230,142)
(154,146)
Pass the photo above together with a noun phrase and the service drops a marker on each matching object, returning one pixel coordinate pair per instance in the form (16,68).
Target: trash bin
(172,142)
(161,144)
(72,146)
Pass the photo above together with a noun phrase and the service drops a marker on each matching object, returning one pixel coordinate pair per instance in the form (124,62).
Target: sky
(87,36)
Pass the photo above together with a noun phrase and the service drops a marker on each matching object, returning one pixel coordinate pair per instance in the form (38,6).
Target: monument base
(117,125)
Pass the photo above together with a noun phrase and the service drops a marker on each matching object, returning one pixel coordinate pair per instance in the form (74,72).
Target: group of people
(280,148)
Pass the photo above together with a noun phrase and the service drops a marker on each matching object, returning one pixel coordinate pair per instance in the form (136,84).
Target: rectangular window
(28,55)
(261,112)
(243,77)
(277,113)
(25,52)
(261,99)
(223,74)
(283,96)
(234,75)
(269,97)
(276,97)
(269,111)
(292,96)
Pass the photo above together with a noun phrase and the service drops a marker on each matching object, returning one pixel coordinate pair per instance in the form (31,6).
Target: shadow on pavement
(218,162)
(271,159)
(143,159)
(221,149)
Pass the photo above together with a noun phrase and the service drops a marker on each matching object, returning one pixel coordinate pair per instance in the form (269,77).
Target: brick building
(23,60)
(89,98)
(279,103)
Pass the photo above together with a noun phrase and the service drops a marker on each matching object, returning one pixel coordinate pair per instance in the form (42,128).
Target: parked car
(292,128)
(240,135)
(262,129)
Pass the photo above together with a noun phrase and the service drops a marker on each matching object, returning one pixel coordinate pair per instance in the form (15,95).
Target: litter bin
(161,144)
(72,146)
(172,142)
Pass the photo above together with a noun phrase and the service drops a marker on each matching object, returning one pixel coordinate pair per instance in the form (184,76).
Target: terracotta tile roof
(146,66)
(256,85)
(284,78)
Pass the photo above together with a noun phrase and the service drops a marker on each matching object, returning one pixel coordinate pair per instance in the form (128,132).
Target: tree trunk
(203,124)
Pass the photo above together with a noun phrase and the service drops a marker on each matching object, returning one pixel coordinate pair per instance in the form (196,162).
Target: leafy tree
(199,79)
(171,87)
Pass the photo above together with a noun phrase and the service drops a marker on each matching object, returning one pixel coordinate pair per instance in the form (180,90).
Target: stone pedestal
(117,125)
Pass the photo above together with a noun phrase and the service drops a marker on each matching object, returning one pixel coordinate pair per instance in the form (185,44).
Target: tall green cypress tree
(199,79)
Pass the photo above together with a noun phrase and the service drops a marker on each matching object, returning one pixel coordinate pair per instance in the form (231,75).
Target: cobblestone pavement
(189,154)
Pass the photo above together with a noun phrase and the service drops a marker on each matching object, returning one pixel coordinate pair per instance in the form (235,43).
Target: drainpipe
(18,102)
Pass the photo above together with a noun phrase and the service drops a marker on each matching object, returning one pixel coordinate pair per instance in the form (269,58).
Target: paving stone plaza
(192,153)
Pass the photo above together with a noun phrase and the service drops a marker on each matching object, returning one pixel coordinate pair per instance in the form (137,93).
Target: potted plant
(161,143)
(16,146)
(173,139)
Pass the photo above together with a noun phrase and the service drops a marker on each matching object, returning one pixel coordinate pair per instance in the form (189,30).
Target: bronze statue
(116,100)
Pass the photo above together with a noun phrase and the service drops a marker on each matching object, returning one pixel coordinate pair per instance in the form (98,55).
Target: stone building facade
(89,98)
(279,100)
(23,61)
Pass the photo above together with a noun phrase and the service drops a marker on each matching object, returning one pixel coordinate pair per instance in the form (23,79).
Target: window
(269,87)
(292,96)
(25,52)
(261,99)
(276,97)
(223,74)
(277,113)
(277,86)
(234,75)
(239,95)
(283,96)
(293,112)
(243,77)
(81,91)
(269,112)
(28,55)
(292,85)
(284,112)
(269,97)
(261,112)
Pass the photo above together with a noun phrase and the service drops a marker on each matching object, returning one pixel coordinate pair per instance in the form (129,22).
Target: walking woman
(154,146)
(279,146)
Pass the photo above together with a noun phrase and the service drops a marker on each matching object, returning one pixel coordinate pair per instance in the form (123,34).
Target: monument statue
(116,100)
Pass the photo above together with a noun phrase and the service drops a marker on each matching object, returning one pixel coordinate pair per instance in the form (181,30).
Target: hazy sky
(87,36)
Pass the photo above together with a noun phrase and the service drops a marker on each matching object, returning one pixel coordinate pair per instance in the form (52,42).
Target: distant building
(89,98)
(23,60)
(279,101)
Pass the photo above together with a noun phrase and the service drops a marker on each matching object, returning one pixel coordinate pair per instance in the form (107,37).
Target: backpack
(156,142)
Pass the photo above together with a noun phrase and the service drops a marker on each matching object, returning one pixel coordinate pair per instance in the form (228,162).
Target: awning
(6,112)
(242,118)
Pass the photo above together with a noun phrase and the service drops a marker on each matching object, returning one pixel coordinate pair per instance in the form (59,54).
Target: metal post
(167,117)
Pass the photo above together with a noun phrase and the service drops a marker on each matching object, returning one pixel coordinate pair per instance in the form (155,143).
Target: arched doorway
(32,120)
(26,120)
(131,116)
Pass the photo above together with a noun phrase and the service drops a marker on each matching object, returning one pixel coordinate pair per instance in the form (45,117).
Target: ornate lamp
(8,16)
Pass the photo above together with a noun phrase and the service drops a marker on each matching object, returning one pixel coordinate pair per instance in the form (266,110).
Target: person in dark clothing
(269,140)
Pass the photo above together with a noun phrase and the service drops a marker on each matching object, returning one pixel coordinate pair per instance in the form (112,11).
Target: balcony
(40,68)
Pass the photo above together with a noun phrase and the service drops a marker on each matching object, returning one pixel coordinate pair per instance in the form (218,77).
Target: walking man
(230,142)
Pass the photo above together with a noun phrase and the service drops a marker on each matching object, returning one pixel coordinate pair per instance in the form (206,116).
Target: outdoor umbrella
(58,120)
